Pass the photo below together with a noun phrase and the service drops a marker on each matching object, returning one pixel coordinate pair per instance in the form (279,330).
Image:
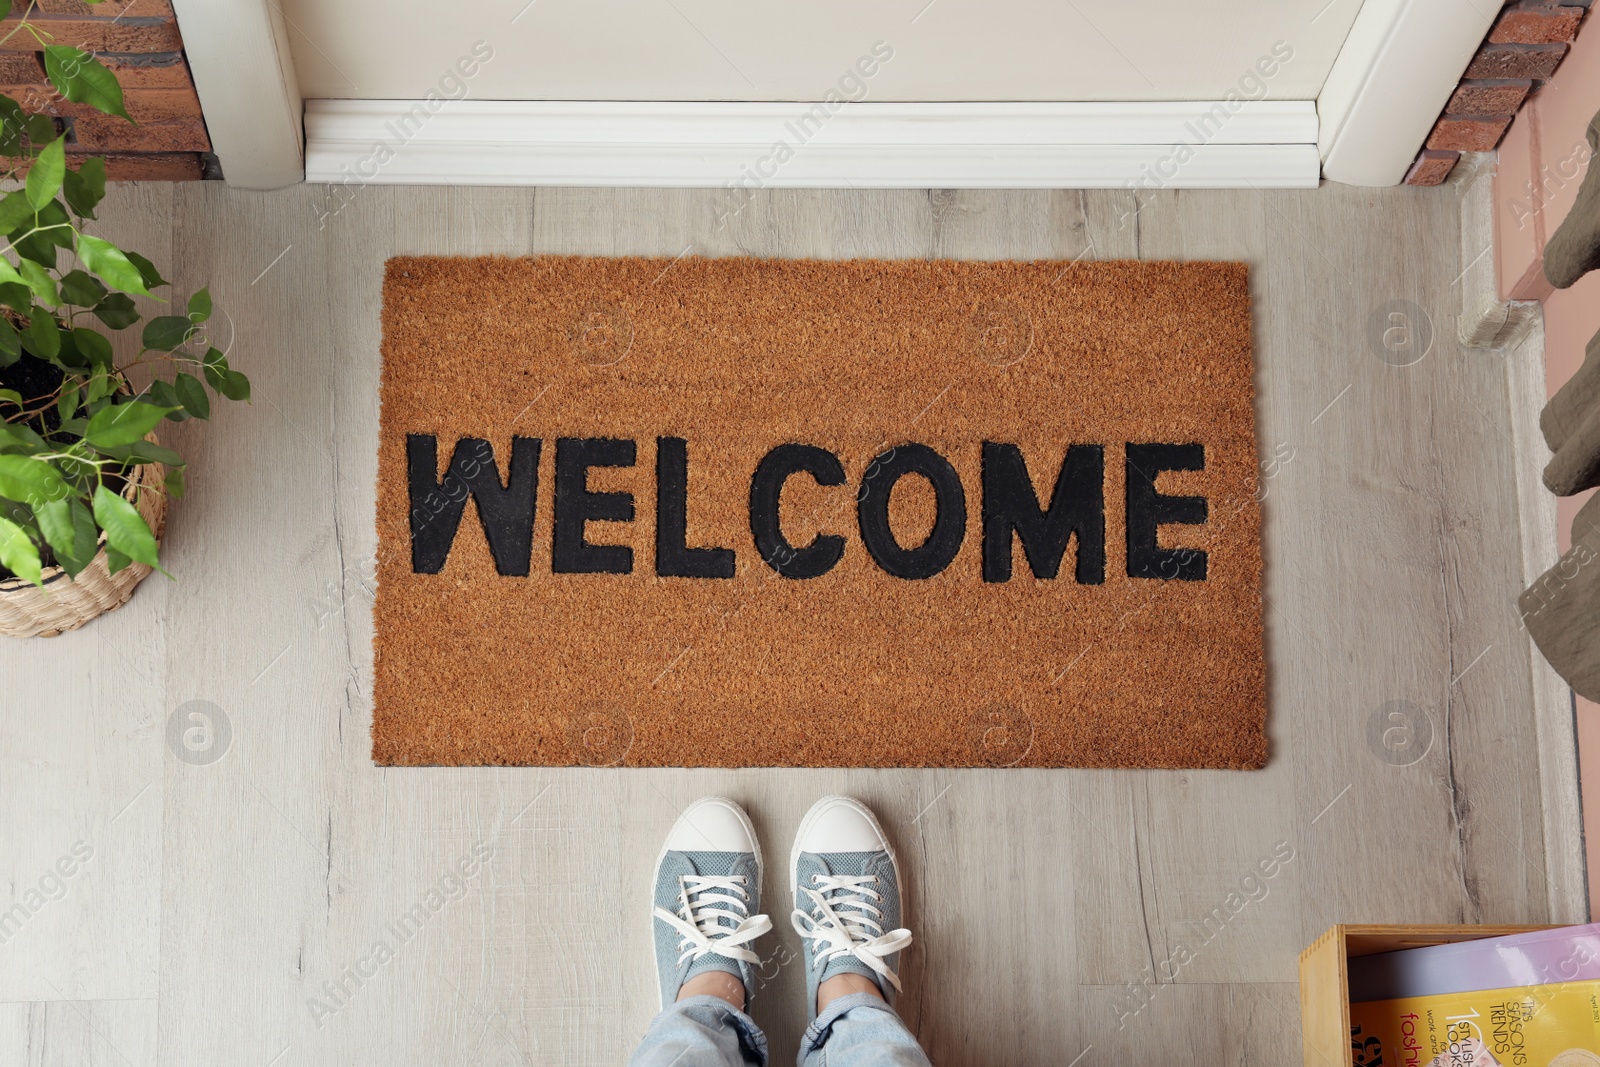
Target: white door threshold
(1179,145)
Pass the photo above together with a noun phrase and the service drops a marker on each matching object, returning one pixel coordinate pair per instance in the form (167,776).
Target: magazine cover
(1528,1026)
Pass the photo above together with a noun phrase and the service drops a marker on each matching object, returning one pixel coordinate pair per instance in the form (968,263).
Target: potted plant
(83,480)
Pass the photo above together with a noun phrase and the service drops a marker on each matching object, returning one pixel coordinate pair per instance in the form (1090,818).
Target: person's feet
(707,896)
(846,889)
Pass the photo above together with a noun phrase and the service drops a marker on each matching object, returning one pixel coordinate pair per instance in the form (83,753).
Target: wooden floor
(1117,917)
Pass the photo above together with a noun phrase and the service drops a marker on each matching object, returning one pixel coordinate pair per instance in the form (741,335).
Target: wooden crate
(1325,978)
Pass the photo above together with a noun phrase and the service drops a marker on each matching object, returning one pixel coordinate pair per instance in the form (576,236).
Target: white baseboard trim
(1190,144)
(1399,64)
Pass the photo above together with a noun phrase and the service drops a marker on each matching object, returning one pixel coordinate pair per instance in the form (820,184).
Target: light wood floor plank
(1040,899)
(69,1033)
(81,747)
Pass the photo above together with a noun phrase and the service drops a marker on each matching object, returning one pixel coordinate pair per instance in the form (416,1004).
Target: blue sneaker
(846,888)
(707,893)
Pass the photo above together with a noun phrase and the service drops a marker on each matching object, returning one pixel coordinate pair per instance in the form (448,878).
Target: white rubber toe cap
(840,824)
(712,824)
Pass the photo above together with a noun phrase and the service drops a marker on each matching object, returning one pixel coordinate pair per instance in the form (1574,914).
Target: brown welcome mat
(741,512)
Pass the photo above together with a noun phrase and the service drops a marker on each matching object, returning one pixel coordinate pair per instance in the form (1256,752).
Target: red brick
(143,167)
(17,68)
(99,35)
(1516,61)
(104,9)
(143,105)
(1536,23)
(160,167)
(103,133)
(1468,133)
(1488,97)
(40,97)
(166,75)
(1432,167)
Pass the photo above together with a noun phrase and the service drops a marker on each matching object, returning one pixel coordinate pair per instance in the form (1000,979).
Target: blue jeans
(858,1030)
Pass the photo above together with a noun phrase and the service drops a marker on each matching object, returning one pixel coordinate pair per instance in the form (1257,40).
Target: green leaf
(10,345)
(118,269)
(67,406)
(39,243)
(86,186)
(235,386)
(80,289)
(41,129)
(83,80)
(174,482)
(145,452)
(15,210)
(70,531)
(70,358)
(8,274)
(102,385)
(43,286)
(19,437)
(147,270)
(115,561)
(162,394)
(43,336)
(11,396)
(166,332)
(18,552)
(12,123)
(14,294)
(200,306)
(125,528)
(117,311)
(215,365)
(30,480)
(94,346)
(193,395)
(44,177)
(122,424)
(59,224)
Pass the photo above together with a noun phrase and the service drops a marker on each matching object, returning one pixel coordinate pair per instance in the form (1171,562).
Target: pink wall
(1542,162)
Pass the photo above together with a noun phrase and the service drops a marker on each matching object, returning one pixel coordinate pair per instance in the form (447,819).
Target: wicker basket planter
(67,603)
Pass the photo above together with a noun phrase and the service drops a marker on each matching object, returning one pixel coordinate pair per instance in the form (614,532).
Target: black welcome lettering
(1011,511)
(1148,509)
(766,486)
(505,511)
(950,512)
(674,559)
(576,506)
(1077,507)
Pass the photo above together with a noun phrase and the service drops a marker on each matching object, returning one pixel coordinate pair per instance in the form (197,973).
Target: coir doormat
(742,512)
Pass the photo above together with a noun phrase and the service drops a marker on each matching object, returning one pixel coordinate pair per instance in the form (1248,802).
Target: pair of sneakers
(843,880)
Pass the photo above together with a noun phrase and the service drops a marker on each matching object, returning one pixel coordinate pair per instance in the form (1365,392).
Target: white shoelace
(850,923)
(714,905)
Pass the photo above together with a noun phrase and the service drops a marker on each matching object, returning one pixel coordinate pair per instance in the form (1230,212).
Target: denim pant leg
(702,1032)
(860,1030)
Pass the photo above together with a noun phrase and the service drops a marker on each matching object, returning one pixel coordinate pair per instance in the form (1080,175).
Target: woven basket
(66,603)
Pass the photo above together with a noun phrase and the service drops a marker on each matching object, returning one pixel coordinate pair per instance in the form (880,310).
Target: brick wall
(1524,47)
(139,41)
